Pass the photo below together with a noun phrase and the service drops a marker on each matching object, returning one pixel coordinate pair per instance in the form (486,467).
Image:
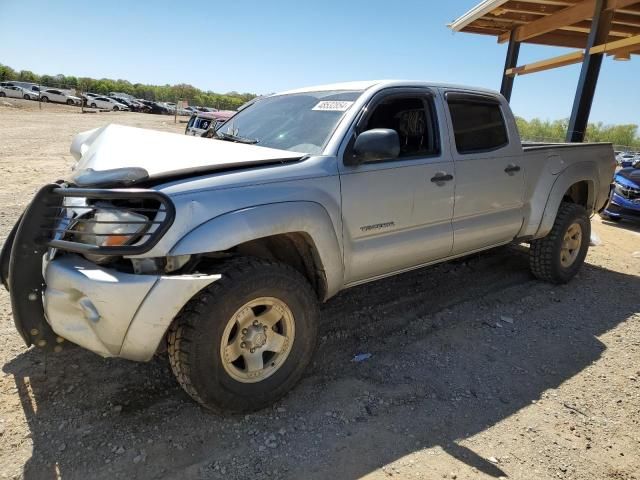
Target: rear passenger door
(489,178)
(397,213)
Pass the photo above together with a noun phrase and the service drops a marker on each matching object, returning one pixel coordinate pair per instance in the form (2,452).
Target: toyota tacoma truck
(220,250)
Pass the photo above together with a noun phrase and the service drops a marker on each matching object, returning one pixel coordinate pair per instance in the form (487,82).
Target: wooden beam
(631,45)
(619,4)
(561,38)
(532,8)
(555,62)
(616,30)
(624,44)
(566,16)
(562,18)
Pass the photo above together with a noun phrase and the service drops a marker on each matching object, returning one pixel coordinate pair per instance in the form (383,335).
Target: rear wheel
(244,341)
(26,97)
(2,94)
(557,257)
(44,99)
(93,105)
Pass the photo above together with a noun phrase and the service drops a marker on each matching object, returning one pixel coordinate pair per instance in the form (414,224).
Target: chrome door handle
(511,168)
(441,177)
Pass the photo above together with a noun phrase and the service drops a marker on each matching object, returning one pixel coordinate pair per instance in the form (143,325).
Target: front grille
(61,227)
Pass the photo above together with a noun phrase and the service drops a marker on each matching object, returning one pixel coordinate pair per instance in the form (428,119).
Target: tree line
(555,131)
(533,130)
(160,93)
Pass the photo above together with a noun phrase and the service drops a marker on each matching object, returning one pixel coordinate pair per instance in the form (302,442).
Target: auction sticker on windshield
(333,106)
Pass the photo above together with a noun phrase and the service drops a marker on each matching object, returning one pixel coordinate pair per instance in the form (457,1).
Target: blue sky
(268,46)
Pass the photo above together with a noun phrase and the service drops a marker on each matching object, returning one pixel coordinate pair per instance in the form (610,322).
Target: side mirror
(375,145)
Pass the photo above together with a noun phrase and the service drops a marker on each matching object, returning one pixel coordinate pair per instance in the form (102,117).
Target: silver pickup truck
(220,250)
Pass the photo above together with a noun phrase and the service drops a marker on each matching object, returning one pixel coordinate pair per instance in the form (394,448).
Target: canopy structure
(595,28)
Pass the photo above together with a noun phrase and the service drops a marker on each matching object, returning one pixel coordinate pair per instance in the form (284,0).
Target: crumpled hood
(138,154)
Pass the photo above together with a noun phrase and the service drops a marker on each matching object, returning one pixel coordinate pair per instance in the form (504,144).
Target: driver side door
(396,214)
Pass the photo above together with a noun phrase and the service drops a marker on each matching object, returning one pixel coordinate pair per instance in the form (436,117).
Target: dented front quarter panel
(299,188)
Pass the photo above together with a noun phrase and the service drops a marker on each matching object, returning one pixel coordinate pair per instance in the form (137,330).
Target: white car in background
(106,103)
(58,96)
(15,91)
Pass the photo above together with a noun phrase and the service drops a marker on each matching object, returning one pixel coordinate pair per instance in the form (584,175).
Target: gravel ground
(477,370)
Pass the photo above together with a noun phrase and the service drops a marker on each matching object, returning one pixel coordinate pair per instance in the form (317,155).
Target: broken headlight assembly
(104,224)
(107,226)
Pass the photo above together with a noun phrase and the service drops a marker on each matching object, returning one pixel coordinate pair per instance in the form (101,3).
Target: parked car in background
(155,107)
(107,103)
(627,159)
(16,83)
(132,105)
(87,96)
(201,122)
(59,96)
(18,92)
(624,199)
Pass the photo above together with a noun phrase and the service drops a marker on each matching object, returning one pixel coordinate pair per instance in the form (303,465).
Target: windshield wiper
(235,138)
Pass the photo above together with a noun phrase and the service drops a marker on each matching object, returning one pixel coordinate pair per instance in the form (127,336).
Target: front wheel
(244,341)
(69,102)
(26,97)
(44,99)
(557,257)
(93,105)
(115,108)
(2,94)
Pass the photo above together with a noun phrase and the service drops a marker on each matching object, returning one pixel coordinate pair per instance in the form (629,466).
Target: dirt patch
(477,370)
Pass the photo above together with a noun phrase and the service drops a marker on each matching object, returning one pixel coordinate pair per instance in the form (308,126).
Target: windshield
(300,122)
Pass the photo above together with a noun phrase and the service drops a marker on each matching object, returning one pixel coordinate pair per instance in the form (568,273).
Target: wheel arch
(300,234)
(577,184)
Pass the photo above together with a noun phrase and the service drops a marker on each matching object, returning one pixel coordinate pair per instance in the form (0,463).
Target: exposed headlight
(107,226)
(621,189)
(110,228)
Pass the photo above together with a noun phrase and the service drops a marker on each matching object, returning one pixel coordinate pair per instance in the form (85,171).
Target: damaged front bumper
(109,312)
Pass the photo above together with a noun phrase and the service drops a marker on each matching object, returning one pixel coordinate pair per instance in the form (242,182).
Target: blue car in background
(624,200)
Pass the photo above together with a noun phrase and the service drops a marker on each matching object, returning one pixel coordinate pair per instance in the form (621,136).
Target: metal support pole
(511,61)
(600,26)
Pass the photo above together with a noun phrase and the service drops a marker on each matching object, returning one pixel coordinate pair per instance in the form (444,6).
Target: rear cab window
(478,123)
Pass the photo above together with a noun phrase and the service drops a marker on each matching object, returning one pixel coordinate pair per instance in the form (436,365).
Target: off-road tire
(194,338)
(545,253)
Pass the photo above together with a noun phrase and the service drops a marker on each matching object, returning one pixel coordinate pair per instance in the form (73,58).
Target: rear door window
(478,123)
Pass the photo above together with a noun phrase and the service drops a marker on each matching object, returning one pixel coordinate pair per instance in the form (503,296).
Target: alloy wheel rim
(257,339)
(571,243)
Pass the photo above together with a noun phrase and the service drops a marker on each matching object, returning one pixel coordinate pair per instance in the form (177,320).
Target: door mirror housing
(375,145)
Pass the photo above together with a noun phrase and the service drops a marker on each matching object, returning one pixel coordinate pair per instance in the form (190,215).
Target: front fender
(240,226)
(578,172)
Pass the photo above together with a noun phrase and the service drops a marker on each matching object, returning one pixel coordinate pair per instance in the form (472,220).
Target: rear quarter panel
(550,170)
